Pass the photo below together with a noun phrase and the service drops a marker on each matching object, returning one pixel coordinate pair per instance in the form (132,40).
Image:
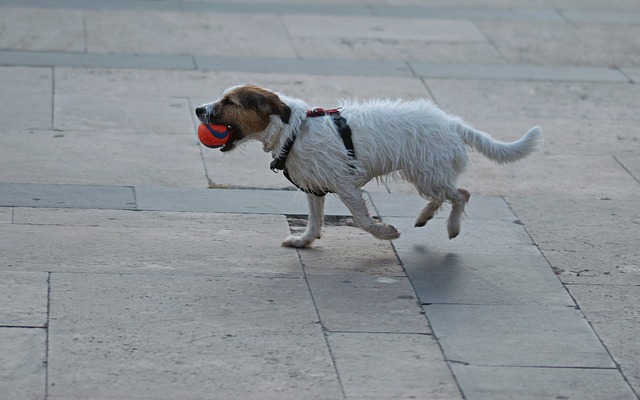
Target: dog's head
(247,110)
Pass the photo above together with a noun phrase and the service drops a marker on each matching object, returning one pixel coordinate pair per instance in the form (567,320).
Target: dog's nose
(200,111)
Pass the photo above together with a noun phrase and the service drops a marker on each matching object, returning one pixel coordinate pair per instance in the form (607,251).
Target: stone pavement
(135,264)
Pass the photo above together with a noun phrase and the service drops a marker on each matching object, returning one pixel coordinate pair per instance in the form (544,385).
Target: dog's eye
(227,102)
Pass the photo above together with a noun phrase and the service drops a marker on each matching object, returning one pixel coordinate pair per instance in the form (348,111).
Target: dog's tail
(502,152)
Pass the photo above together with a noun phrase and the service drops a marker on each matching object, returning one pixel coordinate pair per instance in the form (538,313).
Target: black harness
(279,164)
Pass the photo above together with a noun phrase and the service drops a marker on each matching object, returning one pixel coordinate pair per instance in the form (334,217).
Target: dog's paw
(296,241)
(422,222)
(453,228)
(386,232)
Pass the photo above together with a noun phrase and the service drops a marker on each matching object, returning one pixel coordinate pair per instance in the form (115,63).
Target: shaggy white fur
(412,140)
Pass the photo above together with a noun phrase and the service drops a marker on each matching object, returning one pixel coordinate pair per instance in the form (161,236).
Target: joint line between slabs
(322,327)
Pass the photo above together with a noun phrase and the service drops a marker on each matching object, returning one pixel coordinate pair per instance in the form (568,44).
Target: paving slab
(23,363)
(93,60)
(232,201)
(23,299)
(384,366)
(467,13)
(26,98)
(610,17)
(351,6)
(132,5)
(6,215)
(169,33)
(565,136)
(484,279)
(496,335)
(66,196)
(527,72)
(472,99)
(595,176)
(57,30)
(148,115)
(117,218)
(382,28)
(475,238)
(117,158)
(632,73)
(354,48)
(497,383)
(219,249)
(348,250)
(234,338)
(589,241)
(247,165)
(201,86)
(614,313)
(373,304)
(276,7)
(300,66)
(630,161)
(553,43)
(409,205)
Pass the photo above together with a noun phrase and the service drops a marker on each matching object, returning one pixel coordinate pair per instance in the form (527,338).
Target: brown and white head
(249,111)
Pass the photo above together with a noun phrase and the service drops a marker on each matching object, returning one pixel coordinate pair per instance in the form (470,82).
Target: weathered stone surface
(614,312)
(150,158)
(154,32)
(541,336)
(6,215)
(552,43)
(385,366)
(220,248)
(348,250)
(586,241)
(475,238)
(484,279)
(381,304)
(186,337)
(595,176)
(139,115)
(472,99)
(57,30)
(26,98)
(497,383)
(382,28)
(23,363)
(409,205)
(23,298)
(66,196)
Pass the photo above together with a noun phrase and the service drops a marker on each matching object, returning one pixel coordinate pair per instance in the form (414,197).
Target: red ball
(213,136)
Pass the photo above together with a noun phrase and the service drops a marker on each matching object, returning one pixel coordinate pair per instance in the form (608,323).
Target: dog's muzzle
(205,114)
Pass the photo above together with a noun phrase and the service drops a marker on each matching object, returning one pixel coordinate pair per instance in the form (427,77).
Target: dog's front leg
(314,225)
(352,198)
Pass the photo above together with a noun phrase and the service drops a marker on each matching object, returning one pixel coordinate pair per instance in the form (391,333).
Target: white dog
(412,140)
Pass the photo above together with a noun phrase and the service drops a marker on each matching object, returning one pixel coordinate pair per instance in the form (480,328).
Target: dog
(412,140)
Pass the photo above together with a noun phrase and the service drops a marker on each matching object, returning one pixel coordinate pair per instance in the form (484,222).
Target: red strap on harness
(321,112)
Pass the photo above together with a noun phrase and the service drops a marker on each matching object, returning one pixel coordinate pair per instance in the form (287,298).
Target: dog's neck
(274,138)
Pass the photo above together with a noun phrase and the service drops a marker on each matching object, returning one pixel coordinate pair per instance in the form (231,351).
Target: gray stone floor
(135,264)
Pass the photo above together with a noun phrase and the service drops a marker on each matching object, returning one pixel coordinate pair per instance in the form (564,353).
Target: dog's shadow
(436,273)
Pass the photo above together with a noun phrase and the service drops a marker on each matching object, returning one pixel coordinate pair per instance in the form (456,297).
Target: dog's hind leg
(352,198)
(314,224)
(427,212)
(458,200)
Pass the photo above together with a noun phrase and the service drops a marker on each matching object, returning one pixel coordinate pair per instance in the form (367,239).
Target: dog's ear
(281,109)
(264,101)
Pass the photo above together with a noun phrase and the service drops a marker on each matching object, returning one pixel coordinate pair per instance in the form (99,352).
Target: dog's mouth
(231,142)
(234,134)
